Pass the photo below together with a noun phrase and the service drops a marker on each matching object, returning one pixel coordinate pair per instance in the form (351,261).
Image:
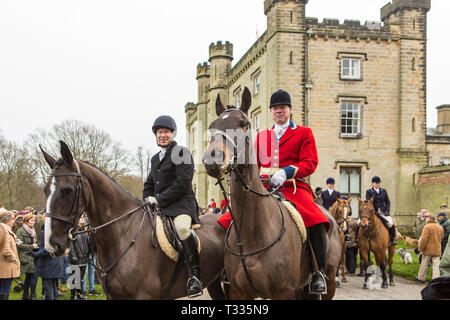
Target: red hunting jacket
(296,153)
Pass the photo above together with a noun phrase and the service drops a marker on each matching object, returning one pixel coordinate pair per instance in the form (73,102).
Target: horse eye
(243,123)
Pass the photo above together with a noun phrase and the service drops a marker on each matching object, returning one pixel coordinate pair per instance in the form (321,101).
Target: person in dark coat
(330,195)
(79,256)
(382,206)
(49,269)
(169,186)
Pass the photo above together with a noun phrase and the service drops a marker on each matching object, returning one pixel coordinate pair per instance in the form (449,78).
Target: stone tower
(411,17)
(286,40)
(220,57)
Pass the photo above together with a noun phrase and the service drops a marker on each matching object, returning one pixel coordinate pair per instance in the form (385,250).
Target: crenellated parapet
(221,50)
(268,4)
(351,29)
(203,70)
(397,5)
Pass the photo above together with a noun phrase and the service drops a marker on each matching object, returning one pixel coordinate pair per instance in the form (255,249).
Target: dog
(400,236)
(405,256)
(411,241)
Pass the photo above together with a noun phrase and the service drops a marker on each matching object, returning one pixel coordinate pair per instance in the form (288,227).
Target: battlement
(348,24)
(395,5)
(268,4)
(203,70)
(220,50)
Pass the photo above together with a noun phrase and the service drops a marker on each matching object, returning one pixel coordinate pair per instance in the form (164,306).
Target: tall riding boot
(393,235)
(319,243)
(192,260)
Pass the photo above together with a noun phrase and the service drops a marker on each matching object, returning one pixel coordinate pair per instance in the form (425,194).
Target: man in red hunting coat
(287,154)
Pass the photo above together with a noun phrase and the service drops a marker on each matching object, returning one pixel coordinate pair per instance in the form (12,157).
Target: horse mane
(332,209)
(113,181)
(231,107)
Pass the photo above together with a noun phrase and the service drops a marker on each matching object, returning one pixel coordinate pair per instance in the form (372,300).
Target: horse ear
(349,200)
(48,158)
(359,200)
(371,200)
(219,106)
(246,100)
(66,153)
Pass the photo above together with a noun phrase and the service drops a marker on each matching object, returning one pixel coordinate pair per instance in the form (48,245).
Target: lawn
(18,295)
(409,271)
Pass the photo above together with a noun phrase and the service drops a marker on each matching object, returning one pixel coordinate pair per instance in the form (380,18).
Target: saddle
(290,206)
(167,237)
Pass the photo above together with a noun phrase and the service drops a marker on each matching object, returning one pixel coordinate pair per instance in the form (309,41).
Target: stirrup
(324,281)
(195,294)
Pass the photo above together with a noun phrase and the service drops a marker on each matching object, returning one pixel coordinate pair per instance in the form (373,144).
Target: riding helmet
(280,97)
(164,122)
(376,179)
(330,181)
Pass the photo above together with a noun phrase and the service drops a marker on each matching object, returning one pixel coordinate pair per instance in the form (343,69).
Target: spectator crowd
(23,259)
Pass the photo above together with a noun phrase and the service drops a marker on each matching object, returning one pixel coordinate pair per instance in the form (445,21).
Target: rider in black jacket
(169,186)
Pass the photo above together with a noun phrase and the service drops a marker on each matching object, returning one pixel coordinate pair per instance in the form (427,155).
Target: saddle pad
(164,242)
(297,219)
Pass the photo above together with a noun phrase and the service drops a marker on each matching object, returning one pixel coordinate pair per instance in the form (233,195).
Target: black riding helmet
(164,122)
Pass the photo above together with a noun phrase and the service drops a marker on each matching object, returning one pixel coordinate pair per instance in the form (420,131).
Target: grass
(408,271)
(18,295)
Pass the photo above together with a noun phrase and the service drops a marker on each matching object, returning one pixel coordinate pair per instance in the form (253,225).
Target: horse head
(366,212)
(230,134)
(341,212)
(66,200)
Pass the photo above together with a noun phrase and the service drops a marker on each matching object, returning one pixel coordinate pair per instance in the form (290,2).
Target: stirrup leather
(324,281)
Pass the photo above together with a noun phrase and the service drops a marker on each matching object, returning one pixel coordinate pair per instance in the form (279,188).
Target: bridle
(232,167)
(70,219)
(340,221)
(75,230)
(369,217)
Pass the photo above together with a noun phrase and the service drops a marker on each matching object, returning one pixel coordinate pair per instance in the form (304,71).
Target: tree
(143,162)
(18,187)
(86,142)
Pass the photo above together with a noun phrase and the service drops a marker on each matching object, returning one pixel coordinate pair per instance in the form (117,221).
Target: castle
(361,88)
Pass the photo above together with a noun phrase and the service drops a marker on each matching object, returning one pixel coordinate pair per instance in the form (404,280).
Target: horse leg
(364,264)
(338,284)
(344,279)
(381,262)
(390,260)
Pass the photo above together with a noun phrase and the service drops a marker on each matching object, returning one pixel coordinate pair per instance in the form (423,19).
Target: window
(350,186)
(257,84)
(350,119)
(444,161)
(257,121)
(350,68)
(237,97)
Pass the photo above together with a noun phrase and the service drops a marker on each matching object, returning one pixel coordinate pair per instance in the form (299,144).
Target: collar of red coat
(292,125)
(288,134)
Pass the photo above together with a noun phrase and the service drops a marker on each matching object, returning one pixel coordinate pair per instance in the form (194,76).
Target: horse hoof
(384,285)
(344,280)
(338,284)
(365,286)
(392,283)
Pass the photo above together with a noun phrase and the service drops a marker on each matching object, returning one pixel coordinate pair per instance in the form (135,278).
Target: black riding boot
(393,235)
(192,260)
(319,243)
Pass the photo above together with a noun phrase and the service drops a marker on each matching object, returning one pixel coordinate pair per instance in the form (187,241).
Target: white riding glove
(152,201)
(278,178)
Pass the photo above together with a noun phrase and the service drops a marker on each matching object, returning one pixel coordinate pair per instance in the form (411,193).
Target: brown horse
(339,211)
(131,265)
(265,256)
(374,237)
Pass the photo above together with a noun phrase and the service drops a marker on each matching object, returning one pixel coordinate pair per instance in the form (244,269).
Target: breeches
(183,225)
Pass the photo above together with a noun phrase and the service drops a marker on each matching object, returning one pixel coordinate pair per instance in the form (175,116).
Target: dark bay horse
(277,263)
(134,268)
(340,211)
(374,237)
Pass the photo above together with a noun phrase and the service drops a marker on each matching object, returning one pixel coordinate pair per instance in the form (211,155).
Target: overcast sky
(120,64)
